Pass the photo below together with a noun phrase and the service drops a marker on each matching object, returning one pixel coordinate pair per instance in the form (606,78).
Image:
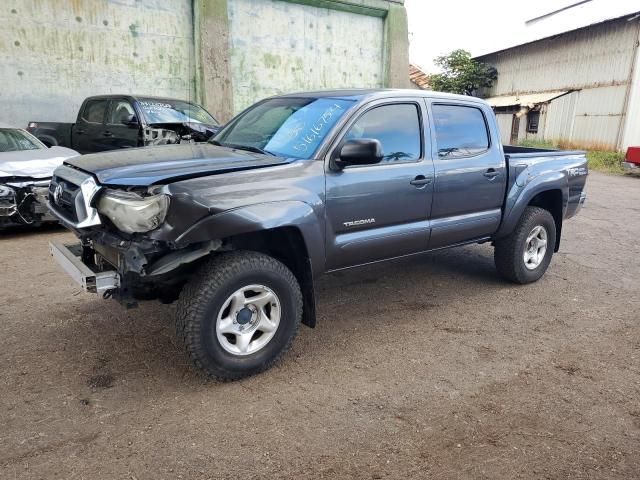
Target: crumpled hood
(34,163)
(162,164)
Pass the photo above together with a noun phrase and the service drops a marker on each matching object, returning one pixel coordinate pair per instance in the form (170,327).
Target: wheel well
(287,245)
(551,200)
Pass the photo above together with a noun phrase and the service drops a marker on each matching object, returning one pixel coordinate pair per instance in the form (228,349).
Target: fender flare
(263,216)
(519,197)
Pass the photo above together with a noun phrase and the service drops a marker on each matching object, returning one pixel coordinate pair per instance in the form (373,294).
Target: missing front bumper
(69,257)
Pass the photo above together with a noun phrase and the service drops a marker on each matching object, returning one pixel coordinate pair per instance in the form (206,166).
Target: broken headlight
(7,192)
(133,213)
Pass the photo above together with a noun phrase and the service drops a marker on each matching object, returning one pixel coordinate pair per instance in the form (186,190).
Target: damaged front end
(173,133)
(129,270)
(23,201)
(115,256)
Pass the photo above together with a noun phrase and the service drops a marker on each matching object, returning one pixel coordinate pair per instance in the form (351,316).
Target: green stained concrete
(227,65)
(396,48)
(133,28)
(51,61)
(56,52)
(213,84)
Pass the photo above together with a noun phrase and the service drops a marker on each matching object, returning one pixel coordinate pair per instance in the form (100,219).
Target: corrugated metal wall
(557,121)
(597,61)
(631,134)
(504,124)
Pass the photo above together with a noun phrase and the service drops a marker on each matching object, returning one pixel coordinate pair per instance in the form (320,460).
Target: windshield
(287,127)
(174,111)
(15,140)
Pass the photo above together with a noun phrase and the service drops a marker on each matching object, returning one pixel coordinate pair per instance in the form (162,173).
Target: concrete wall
(54,53)
(223,53)
(281,47)
(256,48)
(597,61)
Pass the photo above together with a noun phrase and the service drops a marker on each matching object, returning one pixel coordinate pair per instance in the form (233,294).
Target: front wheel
(240,313)
(524,255)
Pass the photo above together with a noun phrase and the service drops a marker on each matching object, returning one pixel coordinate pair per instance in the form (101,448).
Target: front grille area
(70,196)
(66,202)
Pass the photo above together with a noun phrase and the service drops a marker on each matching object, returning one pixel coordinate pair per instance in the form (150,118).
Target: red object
(633,155)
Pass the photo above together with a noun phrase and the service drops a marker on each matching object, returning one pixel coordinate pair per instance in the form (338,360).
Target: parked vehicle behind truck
(300,185)
(26,166)
(112,122)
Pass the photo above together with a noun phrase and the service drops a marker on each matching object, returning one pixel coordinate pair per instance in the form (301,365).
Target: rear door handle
(421,181)
(107,134)
(491,173)
(79,132)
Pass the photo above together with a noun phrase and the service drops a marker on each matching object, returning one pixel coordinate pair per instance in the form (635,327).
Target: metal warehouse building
(580,88)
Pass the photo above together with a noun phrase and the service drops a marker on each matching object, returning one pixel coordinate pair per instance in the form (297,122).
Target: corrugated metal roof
(568,21)
(420,78)
(528,100)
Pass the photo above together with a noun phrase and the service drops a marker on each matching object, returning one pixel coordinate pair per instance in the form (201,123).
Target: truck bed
(514,151)
(52,133)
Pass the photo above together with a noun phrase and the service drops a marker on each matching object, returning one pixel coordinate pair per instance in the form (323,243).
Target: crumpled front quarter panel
(220,206)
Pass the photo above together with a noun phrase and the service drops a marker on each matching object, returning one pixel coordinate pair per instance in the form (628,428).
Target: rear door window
(461,131)
(94,111)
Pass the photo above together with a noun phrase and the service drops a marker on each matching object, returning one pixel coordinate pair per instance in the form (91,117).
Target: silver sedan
(26,167)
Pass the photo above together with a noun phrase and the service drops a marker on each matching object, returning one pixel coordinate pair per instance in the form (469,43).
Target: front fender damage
(147,268)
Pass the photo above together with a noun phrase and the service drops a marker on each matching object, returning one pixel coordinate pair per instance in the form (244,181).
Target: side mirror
(363,151)
(131,121)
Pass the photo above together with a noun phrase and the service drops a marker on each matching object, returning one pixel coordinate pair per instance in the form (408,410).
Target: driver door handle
(421,181)
(491,173)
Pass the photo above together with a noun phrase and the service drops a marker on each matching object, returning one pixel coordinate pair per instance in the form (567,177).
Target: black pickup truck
(111,122)
(301,185)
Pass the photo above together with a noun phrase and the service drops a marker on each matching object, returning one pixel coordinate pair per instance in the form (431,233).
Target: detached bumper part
(69,258)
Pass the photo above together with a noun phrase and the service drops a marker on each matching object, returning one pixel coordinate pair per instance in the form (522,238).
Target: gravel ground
(425,368)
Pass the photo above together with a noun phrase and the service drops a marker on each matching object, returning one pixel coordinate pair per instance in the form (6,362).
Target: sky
(436,27)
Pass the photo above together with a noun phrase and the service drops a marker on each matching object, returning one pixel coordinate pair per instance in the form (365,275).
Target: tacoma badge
(355,223)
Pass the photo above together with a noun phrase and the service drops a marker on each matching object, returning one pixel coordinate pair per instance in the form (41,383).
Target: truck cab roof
(381,93)
(133,97)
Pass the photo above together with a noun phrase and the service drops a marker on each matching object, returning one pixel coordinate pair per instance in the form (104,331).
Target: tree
(462,74)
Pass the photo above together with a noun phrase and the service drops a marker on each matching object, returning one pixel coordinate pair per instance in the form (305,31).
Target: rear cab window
(461,130)
(94,111)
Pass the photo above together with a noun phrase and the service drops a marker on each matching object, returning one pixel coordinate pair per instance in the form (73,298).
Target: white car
(26,168)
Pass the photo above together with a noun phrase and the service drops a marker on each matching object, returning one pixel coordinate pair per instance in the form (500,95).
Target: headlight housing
(133,213)
(7,192)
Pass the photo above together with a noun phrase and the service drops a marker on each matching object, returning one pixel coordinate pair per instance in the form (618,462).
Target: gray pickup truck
(300,185)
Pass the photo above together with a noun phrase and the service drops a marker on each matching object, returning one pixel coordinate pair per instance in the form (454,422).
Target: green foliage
(462,74)
(538,144)
(610,162)
(602,161)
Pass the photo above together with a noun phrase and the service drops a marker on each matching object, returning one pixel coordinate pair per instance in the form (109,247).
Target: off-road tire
(204,295)
(508,252)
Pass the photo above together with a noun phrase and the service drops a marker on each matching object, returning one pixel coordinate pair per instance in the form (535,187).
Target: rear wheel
(239,314)
(524,255)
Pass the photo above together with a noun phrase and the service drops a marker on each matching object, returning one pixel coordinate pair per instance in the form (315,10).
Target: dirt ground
(425,368)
